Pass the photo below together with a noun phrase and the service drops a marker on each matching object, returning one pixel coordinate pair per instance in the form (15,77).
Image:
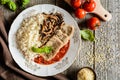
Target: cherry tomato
(89,5)
(76,3)
(80,13)
(93,23)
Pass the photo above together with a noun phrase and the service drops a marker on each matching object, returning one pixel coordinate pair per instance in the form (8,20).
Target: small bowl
(88,68)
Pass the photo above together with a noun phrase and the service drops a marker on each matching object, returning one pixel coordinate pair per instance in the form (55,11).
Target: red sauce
(59,55)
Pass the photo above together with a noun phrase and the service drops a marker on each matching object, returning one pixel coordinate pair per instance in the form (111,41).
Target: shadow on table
(65,6)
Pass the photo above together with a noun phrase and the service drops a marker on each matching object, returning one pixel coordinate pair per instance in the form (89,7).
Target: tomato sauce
(59,55)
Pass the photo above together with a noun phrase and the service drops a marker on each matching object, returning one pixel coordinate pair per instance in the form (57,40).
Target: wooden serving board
(99,10)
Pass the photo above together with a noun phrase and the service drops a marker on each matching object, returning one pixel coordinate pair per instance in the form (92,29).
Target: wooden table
(103,55)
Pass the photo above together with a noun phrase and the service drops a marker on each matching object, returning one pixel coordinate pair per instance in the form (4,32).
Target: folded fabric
(9,70)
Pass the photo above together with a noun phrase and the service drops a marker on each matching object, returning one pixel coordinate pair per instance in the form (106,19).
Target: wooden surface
(103,55)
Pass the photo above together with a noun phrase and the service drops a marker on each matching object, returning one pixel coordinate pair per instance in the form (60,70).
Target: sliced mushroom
(51,23)
(47,32)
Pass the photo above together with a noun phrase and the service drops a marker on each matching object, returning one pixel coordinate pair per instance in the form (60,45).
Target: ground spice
(86,74)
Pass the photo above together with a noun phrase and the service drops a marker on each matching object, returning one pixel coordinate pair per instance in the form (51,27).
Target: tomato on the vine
(89,5)
(76,3)
(80,13)
(93,23)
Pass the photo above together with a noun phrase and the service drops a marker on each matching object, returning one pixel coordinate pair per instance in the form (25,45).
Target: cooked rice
(28,34)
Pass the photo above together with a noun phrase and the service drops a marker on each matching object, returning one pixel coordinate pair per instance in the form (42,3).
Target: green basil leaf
(24,3)
(12,6)
(87,35)
(45,49)
(4,1)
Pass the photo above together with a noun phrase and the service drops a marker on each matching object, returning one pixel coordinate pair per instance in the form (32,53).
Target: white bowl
(44,70)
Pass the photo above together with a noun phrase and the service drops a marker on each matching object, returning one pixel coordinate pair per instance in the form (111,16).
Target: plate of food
(44,40)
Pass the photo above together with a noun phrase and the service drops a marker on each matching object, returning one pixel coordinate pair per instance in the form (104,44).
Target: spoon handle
(101,12)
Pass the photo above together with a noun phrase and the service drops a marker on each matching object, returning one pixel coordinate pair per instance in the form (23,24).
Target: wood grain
(103,55)
(108,43)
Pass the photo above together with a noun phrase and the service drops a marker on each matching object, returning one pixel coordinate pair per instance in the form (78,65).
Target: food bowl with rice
(44,40)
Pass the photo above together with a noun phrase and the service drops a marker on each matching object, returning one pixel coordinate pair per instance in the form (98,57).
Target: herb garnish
(87,35)
(45,49)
